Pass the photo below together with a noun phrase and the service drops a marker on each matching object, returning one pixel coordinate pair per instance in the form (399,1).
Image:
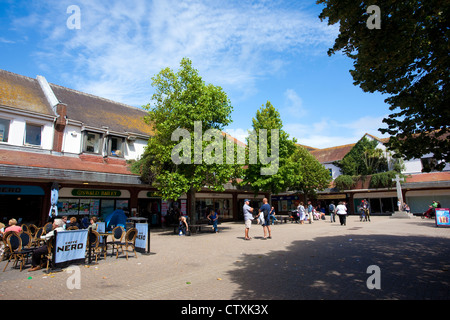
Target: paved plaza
(322,260)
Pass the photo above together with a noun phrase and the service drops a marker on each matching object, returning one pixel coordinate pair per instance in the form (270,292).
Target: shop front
(419,201)
(284,204)
(21,202)
(82,203)
(222,203)
(380,202)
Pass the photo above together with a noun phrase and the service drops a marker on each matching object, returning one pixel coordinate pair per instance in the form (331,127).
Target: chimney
(60,127)
(60,110)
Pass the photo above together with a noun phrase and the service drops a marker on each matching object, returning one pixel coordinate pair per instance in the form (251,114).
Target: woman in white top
(341,211)
(301,212)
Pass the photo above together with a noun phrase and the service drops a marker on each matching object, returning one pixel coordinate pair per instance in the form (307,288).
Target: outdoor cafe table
(105,235)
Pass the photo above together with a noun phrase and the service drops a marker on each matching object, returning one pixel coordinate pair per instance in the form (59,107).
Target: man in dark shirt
(264,210)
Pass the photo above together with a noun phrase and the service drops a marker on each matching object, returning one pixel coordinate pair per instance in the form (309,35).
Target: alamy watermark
(374,281)
(213,153)
(374,20)
(74,280)
(74,20)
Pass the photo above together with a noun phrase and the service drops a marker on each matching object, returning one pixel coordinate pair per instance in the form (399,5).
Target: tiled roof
(428,177)
(23,93)
(308,148)
(332,154)
(99,112)
(31,159)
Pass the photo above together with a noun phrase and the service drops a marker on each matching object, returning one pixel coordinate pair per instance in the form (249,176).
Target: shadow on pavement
(337,268)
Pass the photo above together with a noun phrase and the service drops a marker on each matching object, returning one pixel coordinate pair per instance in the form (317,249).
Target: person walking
(332,208)
(248,217)
(301,212)
(366,208)
(310,212)
(341,211)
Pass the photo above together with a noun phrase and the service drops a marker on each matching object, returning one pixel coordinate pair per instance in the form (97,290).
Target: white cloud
(327,133)
(294,104)
(122,44)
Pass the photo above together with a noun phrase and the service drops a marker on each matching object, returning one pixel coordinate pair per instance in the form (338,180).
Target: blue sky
(257,51)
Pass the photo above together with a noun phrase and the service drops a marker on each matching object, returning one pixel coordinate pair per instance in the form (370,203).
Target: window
(4,130)
(33,134)
(222,206)
(115,146)
(92,142)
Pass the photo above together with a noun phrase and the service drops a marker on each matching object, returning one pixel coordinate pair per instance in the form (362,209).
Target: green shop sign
(95,193)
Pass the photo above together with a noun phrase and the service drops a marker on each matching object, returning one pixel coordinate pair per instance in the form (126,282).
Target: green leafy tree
(407,59)
(184,104)
(268,118)
(363,159)
(310,175)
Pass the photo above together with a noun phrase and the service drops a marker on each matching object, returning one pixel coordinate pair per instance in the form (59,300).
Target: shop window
(92,142)
(4,130)
(33,134)
(116,146)
(222,206)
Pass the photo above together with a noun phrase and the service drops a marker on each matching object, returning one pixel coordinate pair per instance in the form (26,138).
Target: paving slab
(389,259)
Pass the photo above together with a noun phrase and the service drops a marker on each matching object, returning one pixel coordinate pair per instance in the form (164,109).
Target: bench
(193,228)
(282,218)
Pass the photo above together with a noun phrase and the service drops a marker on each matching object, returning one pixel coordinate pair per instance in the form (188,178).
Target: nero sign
(141,238)
(70,247)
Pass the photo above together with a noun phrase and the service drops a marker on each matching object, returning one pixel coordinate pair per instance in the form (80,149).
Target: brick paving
(319,261)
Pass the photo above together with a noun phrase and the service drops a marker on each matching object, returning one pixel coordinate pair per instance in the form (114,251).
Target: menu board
(442,217)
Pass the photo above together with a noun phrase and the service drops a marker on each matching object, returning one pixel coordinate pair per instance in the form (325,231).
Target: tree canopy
(363,159)
(407,58)
(310,175)
(186,152)
(267,119)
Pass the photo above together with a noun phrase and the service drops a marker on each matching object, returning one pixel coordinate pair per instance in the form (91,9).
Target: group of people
(183,225)
(265,213)
(12,226)
(59,224)
(263,217)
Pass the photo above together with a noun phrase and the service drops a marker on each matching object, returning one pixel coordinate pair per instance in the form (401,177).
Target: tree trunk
(191,199)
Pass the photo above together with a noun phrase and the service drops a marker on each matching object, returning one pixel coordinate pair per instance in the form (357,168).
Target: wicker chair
(130,240)
(95,245)
(14,243)
(117,235)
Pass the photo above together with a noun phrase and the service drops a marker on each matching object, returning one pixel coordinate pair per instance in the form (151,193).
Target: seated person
(183,227)
(36,258)
(72,223)
(213,217)
(13,226)
(272,216)
(93,224)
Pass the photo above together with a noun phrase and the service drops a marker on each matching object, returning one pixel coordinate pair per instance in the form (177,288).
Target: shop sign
(95,193)
(21,190)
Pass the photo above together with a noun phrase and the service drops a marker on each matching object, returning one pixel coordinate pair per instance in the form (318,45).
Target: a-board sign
(442,217)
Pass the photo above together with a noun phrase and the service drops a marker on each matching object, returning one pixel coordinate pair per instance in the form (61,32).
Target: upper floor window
(116,146)
(92,142)
(4,130)
(33,134)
